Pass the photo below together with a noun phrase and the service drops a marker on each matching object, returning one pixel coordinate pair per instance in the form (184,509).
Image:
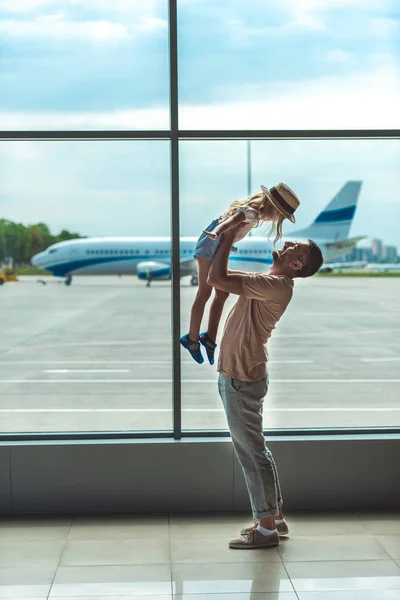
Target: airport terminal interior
(126,128)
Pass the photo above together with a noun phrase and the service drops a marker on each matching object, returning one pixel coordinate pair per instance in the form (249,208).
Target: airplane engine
(158,270)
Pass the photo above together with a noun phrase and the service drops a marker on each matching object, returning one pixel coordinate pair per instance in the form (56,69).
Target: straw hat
(283,198)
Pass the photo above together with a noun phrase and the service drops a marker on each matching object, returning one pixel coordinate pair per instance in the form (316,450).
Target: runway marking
(86,371)
(125,362)
(389,359)
(195,410)
(141,342)
(193,381)
(150,342)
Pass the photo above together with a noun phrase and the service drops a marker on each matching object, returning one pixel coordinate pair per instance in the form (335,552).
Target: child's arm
(233,221)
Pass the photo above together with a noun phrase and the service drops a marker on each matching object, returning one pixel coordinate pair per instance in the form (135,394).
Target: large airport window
(288,65)
(84,65)
(85,345)
(336,349)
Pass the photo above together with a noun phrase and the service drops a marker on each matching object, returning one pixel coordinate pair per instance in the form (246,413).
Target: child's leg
(216,309)
(203,294)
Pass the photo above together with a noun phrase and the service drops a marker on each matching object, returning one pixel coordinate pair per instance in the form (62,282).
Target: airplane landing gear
(68,279)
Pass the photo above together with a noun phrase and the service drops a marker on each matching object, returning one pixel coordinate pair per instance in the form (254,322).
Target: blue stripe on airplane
(265,261)
(67,267)
(337,215)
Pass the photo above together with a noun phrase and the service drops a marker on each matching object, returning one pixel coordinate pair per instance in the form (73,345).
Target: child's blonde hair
(258,202)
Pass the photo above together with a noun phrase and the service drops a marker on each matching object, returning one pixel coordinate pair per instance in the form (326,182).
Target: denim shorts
(206,247)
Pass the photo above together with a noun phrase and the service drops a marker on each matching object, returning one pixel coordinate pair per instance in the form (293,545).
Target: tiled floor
(330,556)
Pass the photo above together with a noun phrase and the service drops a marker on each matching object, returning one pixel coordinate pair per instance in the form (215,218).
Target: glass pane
(288,64)
(93,355)
(335,353)
(87,64)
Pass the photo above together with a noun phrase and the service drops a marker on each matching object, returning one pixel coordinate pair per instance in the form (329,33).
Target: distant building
(389,253)
(376,253)
(357,255)
(377,248)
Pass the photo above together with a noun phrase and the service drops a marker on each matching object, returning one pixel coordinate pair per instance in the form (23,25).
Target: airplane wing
(348,243)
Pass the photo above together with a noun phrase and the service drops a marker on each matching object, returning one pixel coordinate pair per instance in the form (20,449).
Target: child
(273,205)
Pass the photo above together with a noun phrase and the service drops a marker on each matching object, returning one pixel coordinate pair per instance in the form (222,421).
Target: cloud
(300,6)
(103,21)
(336,102)
(338,56)
(351,101)
(244,32)
(23,5)
(384,27)
(127,6)
(56,27)
(152,118)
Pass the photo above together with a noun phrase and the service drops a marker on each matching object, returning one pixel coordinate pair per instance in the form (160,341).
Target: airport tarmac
(96,356)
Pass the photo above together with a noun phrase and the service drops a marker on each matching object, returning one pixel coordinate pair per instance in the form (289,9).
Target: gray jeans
(243,403)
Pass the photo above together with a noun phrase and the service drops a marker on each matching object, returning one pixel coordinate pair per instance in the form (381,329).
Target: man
(243,379)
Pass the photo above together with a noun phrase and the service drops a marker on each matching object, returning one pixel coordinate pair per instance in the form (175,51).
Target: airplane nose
(36,260)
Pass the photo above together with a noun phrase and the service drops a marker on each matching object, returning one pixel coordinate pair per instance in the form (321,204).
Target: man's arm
(235,272)
(219,276)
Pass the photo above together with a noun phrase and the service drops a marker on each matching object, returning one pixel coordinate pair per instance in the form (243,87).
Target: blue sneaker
(193,348)
(209,345)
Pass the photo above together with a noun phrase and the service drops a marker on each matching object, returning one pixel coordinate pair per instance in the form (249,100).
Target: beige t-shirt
(243,354)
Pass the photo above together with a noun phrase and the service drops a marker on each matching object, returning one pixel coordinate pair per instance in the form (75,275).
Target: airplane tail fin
(334,222)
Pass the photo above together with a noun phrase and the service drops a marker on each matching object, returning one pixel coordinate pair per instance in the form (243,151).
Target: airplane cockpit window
(53,250)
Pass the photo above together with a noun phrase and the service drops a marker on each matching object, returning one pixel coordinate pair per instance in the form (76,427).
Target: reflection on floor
(328,556)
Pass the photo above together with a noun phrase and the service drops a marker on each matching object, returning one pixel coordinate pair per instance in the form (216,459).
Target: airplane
(383,267)
(142,255)
(359,265)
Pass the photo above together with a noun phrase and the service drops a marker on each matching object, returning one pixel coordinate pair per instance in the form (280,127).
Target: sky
(93,64)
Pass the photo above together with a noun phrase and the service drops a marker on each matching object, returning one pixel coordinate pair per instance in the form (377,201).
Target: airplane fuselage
(113,256)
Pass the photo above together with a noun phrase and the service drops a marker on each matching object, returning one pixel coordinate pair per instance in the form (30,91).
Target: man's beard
(276,257)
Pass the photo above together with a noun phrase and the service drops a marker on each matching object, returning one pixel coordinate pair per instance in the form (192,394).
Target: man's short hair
(313,262)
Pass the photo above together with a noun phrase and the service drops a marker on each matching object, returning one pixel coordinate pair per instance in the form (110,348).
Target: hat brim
(283,212)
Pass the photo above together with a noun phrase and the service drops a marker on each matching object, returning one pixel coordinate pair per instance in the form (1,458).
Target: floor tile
(116,527)
(228,578)
(34,528)
(116,552)
(352,595)
(344,575)
(30,554)
(251,596)
(381,522)
(142,580)
(208,525)
(326,523)
(217,551)
(391,544)
(25,582)
(140,596)
(331,547)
